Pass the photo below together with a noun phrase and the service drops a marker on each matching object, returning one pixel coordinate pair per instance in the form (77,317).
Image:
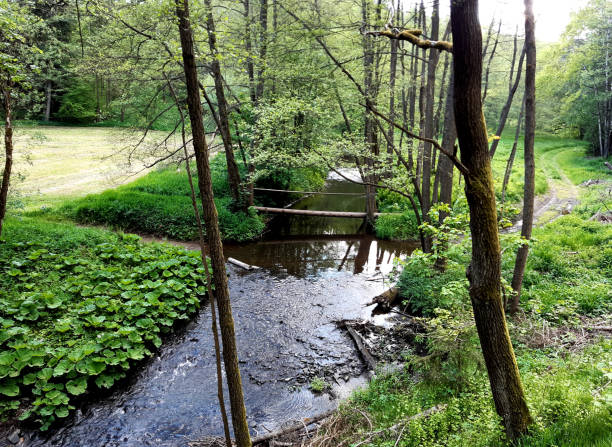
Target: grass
(56,162)
(78,307)
(160,204)
(567,395)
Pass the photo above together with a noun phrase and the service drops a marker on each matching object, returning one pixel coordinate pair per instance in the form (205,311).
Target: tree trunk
(249,49)
(429,125)
(529,186)
(48,106)
(446,166)
(8,151)
(511,91)
(370,130)
(510,162)
(484,271)
(233,175)
(263,47)
(230,355)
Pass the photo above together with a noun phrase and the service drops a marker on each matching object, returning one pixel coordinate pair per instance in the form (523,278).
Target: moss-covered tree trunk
(209,211)
(484,272)
(8,150)
(529,158)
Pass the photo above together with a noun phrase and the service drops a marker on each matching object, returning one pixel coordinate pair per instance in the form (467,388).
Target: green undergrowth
(400,222)
(160,204)
(567,395)
(79,307)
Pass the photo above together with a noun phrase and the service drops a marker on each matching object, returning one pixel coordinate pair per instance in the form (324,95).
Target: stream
(314,272)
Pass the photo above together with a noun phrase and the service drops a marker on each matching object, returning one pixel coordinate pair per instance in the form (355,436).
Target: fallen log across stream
(350,214)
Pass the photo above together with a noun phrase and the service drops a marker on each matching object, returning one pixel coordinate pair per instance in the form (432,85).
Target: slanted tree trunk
(8,150)
(512,86)
(209,211)
(233,175)
(484,271)
(529,184)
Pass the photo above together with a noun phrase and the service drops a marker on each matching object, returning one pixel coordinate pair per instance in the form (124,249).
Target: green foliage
(399,222)
(79,306)
(568,399)
(425,289)
(397,226)
(454,359)
(569,270)
(78,104)
(574,96)
(318,384)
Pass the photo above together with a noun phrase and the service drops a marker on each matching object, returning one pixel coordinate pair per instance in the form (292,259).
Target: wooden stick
(295,427)
(361,346)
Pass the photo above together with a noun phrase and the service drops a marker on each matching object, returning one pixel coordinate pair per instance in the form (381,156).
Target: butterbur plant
(73,320)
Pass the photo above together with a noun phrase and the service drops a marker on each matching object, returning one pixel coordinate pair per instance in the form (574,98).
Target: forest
(313,223)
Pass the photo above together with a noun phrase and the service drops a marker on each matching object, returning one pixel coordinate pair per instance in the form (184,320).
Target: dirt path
(562,195)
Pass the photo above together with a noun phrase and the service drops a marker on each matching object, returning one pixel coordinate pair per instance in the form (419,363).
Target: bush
(161,215)
(397,226)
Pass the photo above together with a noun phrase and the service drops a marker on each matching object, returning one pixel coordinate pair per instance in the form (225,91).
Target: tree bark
(8,151)
(230,354)
(484,271)
(233,175)
(529,184)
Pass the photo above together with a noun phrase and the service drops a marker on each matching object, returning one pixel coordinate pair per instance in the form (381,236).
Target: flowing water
(314,272)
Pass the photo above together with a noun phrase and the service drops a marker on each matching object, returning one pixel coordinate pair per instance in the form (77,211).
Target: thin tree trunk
(8,151)
(511,91)
(263,46)
(370,129)
(446,166)
(510,162)
(529,185)
(209,283)
(230,354)
(80,29)
(233,175)
(486,81)
(249,49)
(484,271)
(48,106)
(429,126)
